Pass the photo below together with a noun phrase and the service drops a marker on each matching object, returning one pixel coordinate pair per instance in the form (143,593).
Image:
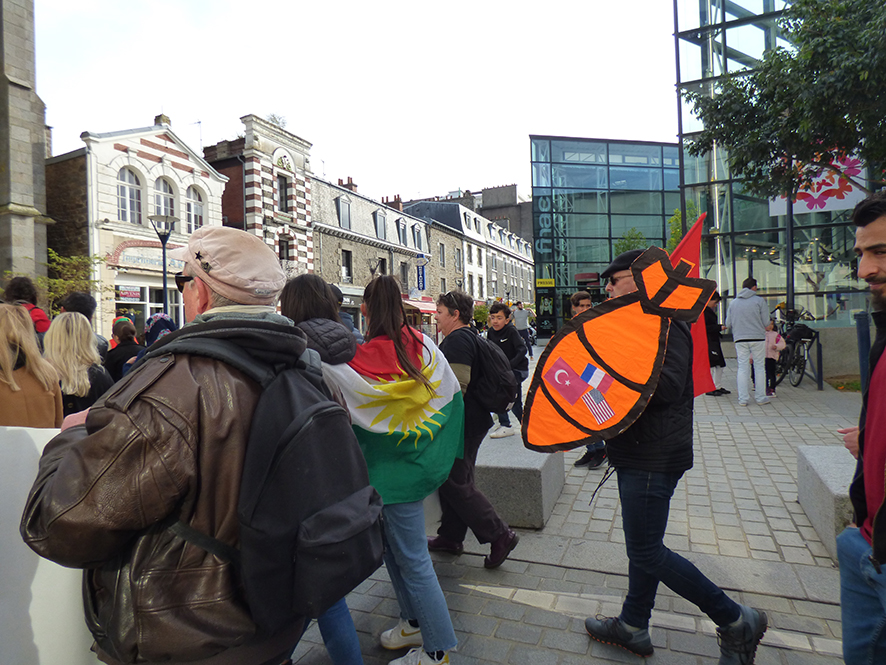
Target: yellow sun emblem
(405,402)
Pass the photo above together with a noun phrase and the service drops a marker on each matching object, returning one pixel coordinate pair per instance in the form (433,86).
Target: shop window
(193,209)
(164,198)
(129,197)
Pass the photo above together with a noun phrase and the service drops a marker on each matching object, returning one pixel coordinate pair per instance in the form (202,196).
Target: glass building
(797,253)
(586,194)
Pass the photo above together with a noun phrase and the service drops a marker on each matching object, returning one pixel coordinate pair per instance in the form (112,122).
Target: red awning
(423,306)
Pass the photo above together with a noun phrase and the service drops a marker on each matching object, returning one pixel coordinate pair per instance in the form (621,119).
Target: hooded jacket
(747,317)
(856,489)
(166,442)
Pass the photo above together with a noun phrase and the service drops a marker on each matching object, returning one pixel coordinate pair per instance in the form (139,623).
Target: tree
(277,119)
(675,224)
(632,239)
(804,109)
(481,313)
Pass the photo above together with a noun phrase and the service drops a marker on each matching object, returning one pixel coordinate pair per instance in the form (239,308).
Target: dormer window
(381,231)
(344,211)
(401,232)
(417,235)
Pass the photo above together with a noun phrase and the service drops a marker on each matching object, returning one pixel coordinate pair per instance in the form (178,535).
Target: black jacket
(661,438)
(99,382)
(712,331)
(509,341)
(856,490)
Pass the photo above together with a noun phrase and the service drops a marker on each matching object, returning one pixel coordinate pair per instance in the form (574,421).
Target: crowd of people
(151,439)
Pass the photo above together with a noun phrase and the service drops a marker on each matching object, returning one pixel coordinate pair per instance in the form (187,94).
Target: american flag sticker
(598,406)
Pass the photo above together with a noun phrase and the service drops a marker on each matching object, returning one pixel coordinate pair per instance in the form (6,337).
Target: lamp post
(163,226)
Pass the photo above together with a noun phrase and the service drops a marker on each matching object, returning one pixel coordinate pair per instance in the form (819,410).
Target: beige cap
(234,264)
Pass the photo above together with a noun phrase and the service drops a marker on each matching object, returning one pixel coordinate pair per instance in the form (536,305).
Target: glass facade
(801,256)
(587,193)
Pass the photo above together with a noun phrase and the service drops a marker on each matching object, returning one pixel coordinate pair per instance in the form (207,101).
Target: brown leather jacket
(167,441)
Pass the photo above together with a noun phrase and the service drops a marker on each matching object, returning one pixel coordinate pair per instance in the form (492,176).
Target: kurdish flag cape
(409,436)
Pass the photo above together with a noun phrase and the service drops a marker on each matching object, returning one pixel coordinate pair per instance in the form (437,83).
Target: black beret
(622,262)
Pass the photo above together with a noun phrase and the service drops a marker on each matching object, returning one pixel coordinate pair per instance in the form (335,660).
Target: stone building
(103,196)
(22,146)
(446,268)
(504,206)
(357,238)
(268,192)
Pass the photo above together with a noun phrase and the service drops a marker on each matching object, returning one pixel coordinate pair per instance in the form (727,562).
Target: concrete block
(824,474)
(523,485)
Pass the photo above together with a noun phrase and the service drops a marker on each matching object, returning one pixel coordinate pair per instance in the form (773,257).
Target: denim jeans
(645,503)
(745,351)
(413,577)
(339,635)
(862,601)
(503,419)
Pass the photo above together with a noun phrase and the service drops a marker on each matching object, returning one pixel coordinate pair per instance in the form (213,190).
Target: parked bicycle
(799,339)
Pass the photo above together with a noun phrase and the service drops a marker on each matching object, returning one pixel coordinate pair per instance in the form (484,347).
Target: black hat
(339,296)
(622,262)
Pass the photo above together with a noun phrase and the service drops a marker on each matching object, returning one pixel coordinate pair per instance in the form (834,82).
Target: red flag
(689,249)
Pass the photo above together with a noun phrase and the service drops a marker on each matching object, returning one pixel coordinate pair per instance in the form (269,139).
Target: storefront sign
(129,294)
(148,258)
(420,280)
(542,283)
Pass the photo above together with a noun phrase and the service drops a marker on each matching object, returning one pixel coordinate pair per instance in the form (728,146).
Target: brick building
(268,192)
(102,197)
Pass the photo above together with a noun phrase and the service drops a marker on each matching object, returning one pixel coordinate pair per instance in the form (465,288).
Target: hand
(850,439)
(74,419)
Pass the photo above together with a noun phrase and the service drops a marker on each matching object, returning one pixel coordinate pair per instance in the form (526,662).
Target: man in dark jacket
(649,459)
(504,334)
(166,443)
(861,548)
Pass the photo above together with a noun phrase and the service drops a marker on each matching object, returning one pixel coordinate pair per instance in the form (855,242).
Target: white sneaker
(419,657)
(502,433)
(495,428)
(402,635)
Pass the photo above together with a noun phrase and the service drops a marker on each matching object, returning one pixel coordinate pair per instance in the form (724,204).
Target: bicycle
(799,339)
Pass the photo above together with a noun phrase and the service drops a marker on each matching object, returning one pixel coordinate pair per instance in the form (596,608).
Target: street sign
(420,282)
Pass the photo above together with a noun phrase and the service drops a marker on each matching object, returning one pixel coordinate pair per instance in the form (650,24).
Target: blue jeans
(862,601)
(645,503)
(339,635)
(412,574)
(503,419)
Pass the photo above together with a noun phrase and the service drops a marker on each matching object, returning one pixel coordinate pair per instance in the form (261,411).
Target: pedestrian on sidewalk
(748,317)
(595,453)
(715,350)
(504,335)
(774,345)
(464,506)
(520,317)
(649,459)
(861,548)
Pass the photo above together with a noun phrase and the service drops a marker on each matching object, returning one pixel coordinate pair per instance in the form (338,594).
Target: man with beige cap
(167,443)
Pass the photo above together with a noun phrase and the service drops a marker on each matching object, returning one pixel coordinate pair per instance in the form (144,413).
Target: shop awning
(423,306)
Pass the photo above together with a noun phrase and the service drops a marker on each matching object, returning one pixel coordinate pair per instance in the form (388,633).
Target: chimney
(396,204)
(350,184)
(162,119)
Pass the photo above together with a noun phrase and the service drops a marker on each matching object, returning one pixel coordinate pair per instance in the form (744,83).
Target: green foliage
(277,119)
(675,224)
(801,109)
(66,275)
(632,239)
(481,313)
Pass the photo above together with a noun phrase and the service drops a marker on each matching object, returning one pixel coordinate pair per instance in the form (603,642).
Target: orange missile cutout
(597,374)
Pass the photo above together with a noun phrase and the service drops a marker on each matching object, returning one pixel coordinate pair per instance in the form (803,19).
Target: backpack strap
(219,349)
(206,542)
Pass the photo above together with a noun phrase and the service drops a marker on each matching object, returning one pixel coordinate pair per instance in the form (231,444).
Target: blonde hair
(17,339)
(69,345)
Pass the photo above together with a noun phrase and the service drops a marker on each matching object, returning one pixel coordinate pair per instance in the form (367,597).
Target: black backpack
(493,384)
(310,522)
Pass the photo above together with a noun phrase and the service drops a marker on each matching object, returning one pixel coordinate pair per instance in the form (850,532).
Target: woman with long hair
(127,346)
(407,411)
(29,392)
(70,348)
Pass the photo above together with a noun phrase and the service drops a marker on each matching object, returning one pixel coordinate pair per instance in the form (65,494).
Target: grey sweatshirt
(748,317)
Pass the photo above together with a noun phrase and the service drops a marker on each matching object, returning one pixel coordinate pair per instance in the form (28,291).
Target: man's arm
(95,492)
(518,347)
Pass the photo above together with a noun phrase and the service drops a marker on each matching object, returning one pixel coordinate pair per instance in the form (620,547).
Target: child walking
(774,344)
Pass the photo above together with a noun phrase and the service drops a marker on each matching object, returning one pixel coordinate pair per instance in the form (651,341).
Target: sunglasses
(613,280)
(180,280)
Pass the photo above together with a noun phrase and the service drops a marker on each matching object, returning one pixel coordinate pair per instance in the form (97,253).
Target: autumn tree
(804,108)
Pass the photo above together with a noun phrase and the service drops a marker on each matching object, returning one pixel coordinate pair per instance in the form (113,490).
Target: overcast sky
(406,97)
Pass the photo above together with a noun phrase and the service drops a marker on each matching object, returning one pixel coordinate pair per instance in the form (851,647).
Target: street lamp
(163,225)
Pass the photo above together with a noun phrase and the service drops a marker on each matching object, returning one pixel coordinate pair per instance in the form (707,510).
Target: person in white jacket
(748,317)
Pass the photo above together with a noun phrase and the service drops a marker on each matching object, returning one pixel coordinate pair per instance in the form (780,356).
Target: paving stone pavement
(735,515)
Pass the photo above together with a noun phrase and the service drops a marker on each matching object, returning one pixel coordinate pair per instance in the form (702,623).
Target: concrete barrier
(824,474)
(41,603)
(523,485)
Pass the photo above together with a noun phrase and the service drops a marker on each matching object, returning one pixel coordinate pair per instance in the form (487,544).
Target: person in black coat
(505,335)
(715,351)
(127,347)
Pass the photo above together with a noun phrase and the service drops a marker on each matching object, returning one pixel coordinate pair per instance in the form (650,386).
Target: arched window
(129,197)
(193,209)
(164,200)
